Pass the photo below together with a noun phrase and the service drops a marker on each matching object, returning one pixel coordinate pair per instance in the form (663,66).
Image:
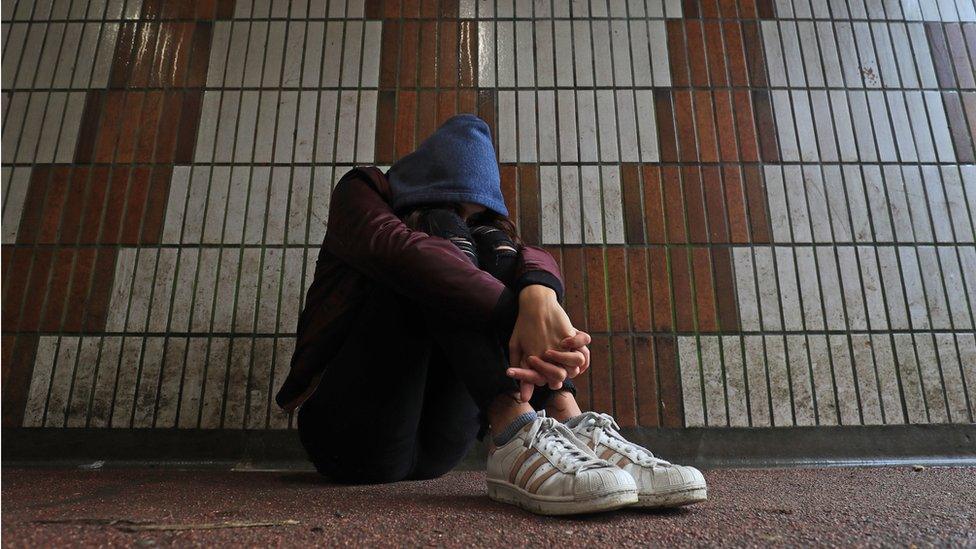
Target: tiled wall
(764,209)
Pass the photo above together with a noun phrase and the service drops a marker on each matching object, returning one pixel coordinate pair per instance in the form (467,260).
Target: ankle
(563,406)
(503,411)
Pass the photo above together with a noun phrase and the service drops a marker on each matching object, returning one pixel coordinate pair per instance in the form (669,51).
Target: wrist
(537,294)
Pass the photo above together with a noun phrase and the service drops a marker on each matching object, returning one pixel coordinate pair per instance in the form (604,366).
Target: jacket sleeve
(539,267)
(364,232)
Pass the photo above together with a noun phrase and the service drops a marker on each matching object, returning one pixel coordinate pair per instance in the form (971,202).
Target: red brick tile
(449,8)
(385,135)
(175,64)
(689,9)
(32,214)
(530,224)
(940,54)
(672,410)
(37,286)
(123,57)
(179,9)
(583,391)
(624,400)
(697,61)
(633,215)
(426,114)
(139,183)
(674,209)
(709,9)
(705,124)
(468,54)
(574,283)
(509,184)
(685,123)
(764,8)
(959,55)
(486,110)
(747,9)
(152,223)
(684,306)
(130,127)
(392,8)
(199,59)
(17,374)
(468,101)
(715,51)
(735,51)
(728,313)
(428,54)
(54,206)
(725,125)
(152,108)
(94,206)
(704,290)
(101,290)
(58,288)
(409,53)
(447,58)
(115,205)
(77,193)
(645,371)
(88,132)
(225,9)
(78,293)
(756,199)
(15,283)
(660,289)
(389,54)
(406,121)
(677,53)
(668,137)
(640,289)
(596,297)
(754,53)
(374,9)
(958,127)
(144,59)
(600,381)
(766,126)
(728,9)
(176,137)
(745,126)
(109,127)
(206,9)
(446,105)
(718,232)
(735,204)
(618,289)
(653,204)
(428,8)
(694,204)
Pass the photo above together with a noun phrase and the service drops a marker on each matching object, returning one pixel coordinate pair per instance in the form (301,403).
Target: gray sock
(514,427)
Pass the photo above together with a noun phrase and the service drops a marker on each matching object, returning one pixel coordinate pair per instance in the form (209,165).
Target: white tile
(586,115)
(105,377)
(873,294)
(788,292)
(940,126)
(830,289)
(612,205)
(647,126)
(846,139)
(486,53)
(527,146)
(886,56)
(284,133)
(713,380)
(952,376)
(776,69)
(934,192)
(857,204)
(320,196)
(809,288)
(779,384)
(900,120)
(799,219)
(547,126)
(292,288)
(590,205)
(298,205)
(619,43)
(659,53)
(352,54)
(640,46)
(125,385)
(255,54)
(193,376)
(749,318)
(226,290)
(274,51)
(505,51)
(258,384)
(326,133)
(204,293)
(305,132)
(955,197)
(778,208)
(851,282)
(822,379)
(691,383)
(549,198)
(875,191)
(904,55)
(142,287)
(849,60)
(572,224)
(81,388)
(291,72)
(893,293)
(607,126)
(60,386)
(213,387)
(247,291)
(923,56)
(914,291)
(627,116)
(867,381)
(226,130)
(125,265)
(314,43)
(909,378)
(755,359)
(284,348)
(544,54)
(967,360)
(768,288)
(15,192)
(507,135)
(735,381)
(844,380)
(882,126)
(811,54)
(791,54)
(274,231)
(917,203)
(783,111)
(568,142)
(928,362)
(821,117)
(583,49)
(332,54)
(800,381)
(935,295)
(269,290)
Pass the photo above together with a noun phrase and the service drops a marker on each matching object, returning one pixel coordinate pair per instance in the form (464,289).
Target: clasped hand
(545,348)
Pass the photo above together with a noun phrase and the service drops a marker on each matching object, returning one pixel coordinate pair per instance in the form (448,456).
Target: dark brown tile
(486,110)
(37,286)
(94,206)
(689,9)
(101,290)
(374,9)
(449,8)
(468,101)
(674,209)
(633,214)
(684,305)
(697,61)
(677,53)
(389,54)
(766,126)
(684,116)
(530,210)
(17,373)
(130,127)
(600,380)
(61,267)
(468,54)
(624,399)
(406,120)
(409,54)
(694,204)
(77,194)
(735,204)
(145,62)
(672,409)
(32,214)
(88,132)
(174,63)
(446,105)
(15,283)
(645,370)
(618,289)
(745,126)
(667,135)
(728,313)
(718,232)
(575,285)
(728,9)
(152,223)
(206,9)
(199,59)
(115,205)
(109,126)
(123,57)
(958,127)
(509,184)
(81,280)
(660,288)
(725,126)
(428,9)
(426,114)
(754,54)
(709,9)
(940,54)
(735,51)
(705,124)
(640,289)
(152,107)
(177,134)
(756,199)
(596,297)
(139,183)
(447,58)
(747,9)
(704,290)
(764,8)
(54,205)
(715,52)
(225,9)
(392,8)
(653,204)
(385,136)
(428,55)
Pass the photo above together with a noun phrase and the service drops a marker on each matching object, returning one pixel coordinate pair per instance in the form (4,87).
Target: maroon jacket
(365,244)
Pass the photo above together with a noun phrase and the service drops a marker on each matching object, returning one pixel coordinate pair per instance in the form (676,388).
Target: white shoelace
(603,429)
(554,439)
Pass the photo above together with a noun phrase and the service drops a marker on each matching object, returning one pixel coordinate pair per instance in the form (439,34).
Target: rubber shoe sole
(541,505)
(678,498)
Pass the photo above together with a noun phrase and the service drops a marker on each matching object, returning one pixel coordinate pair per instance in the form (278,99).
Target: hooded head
(455,164)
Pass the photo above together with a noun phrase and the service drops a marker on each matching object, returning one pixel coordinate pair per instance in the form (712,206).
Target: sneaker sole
(508,493)
(677,498)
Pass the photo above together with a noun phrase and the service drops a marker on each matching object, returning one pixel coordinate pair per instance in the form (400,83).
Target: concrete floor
(139,507)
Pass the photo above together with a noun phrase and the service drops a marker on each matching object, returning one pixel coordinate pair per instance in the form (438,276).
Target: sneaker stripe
(534,487)
(517,466)
(607,453)
(623,461)
(531,470)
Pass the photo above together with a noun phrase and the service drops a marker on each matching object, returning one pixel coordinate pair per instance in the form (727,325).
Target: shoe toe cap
(603,480)
(672,477)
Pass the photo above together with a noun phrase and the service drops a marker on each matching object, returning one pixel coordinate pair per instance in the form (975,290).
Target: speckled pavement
(747,507)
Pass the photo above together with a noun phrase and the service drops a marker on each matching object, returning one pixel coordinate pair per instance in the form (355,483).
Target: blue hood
(455,164)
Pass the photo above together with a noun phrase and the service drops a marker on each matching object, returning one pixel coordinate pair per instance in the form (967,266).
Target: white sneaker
(546,470)
(659,483)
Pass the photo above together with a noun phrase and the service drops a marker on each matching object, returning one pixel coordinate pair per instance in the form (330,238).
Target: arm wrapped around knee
(497,254)
(448,224)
